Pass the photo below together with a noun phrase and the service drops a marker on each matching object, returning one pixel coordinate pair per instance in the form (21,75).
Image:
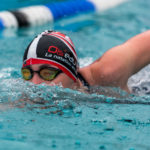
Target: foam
(102,5)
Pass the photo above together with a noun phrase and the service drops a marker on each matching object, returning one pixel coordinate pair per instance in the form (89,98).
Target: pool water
(41,117)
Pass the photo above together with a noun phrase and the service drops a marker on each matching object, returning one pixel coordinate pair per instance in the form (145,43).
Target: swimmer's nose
(36,79)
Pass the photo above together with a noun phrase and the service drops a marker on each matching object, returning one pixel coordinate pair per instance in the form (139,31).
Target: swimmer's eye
(48,74)
(26,73)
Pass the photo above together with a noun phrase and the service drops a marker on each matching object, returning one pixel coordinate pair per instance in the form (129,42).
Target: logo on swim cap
(53,48)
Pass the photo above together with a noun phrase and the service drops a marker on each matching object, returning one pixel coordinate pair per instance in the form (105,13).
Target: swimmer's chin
(56,84)
(74,86)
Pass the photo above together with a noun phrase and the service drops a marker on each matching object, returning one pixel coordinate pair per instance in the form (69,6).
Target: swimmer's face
(61,78)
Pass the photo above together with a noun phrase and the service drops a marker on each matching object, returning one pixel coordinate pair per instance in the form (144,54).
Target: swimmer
(51,58)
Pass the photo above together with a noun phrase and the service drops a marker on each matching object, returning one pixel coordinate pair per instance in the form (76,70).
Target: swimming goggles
(46,73)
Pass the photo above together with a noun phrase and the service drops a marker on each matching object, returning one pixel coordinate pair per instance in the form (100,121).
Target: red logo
(55,50)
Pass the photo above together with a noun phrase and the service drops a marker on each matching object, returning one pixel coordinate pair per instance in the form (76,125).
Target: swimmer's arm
(119,63)
(15,104)
(140,50)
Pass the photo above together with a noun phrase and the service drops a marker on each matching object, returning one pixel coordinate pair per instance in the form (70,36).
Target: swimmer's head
(55,49)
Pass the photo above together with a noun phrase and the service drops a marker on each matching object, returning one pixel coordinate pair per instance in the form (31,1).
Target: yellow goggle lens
(47,74)
(26,73)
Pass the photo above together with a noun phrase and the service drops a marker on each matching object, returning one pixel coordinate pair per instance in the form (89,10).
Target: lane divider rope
(40,14)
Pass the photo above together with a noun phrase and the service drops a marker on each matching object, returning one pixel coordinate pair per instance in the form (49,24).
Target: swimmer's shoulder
(95,78)
(86,73)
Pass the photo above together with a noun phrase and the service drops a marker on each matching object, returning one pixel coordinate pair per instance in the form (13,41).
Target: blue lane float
(68,8)
(40,14)
(1,24)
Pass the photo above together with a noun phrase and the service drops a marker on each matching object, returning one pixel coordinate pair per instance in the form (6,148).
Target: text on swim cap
(56,50)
